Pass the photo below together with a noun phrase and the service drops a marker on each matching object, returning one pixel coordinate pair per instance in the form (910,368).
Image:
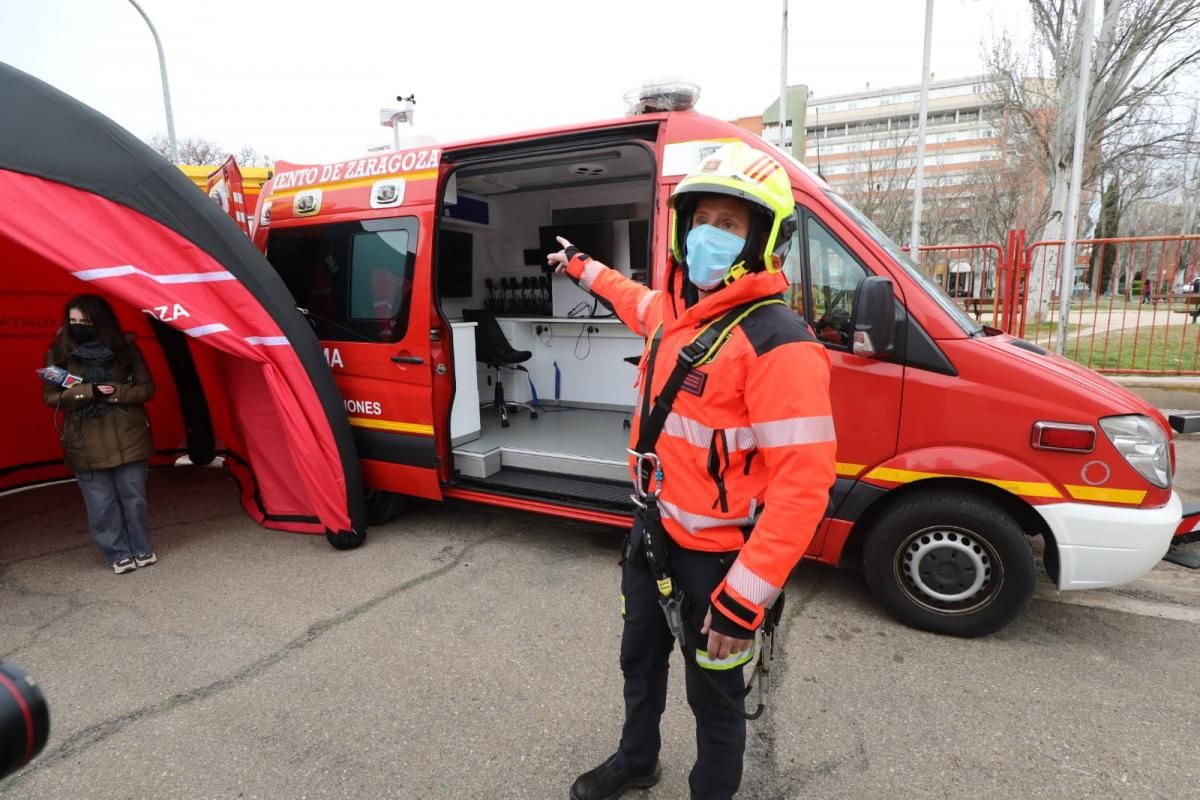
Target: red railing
(1130,309)
(974,274)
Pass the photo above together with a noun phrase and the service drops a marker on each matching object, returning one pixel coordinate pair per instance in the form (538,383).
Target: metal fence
(1131,307)
(973,274)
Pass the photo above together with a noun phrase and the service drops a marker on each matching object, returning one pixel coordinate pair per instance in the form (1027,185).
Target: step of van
(591,492)
(482,465)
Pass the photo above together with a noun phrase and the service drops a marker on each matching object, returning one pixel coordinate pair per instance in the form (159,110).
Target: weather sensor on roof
(663,96)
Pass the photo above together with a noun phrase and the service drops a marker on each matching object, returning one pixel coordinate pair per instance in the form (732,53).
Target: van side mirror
(874,321)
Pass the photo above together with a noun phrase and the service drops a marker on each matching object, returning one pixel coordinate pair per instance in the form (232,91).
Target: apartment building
(854,136)
(864,143)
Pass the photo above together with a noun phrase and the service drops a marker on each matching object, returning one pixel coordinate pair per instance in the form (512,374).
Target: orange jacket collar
(744,290)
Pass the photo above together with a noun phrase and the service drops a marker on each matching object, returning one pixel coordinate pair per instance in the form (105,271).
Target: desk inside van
(592,372)
(591,368)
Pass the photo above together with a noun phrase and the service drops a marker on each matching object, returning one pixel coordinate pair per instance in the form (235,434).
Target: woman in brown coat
(105,431)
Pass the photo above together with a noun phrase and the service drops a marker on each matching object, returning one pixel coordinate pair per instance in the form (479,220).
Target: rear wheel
(950,563)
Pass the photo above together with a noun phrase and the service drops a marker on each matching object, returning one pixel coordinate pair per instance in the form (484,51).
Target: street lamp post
(914,236)
(162,68)
(1067,279)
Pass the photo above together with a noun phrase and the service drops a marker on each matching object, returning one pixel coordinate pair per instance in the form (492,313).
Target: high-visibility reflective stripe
(794,430)
(728,662)
(179,277)
(386,425)
(750,585)
(205,330)
(698,522)
(622,606)
(850,470)
(590,271)
(1096,494)
(700,435)
(1025,488)
(644,304)
(268,341)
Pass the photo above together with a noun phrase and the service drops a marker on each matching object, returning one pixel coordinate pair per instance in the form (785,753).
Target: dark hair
(104,322)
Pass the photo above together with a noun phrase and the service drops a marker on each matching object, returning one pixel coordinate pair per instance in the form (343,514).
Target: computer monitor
(455,260)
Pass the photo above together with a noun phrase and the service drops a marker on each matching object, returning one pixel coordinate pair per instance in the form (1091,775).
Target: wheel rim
(949,570)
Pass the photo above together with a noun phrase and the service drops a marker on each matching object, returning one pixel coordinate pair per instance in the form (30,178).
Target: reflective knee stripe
(728,662)
(622,606)
(795,430)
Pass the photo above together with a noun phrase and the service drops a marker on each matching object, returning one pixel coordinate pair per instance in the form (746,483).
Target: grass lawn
(1041,330)
(1173,349)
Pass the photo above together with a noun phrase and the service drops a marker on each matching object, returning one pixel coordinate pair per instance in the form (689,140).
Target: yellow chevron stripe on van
(1132,497)
(1024,488)
(395,427)
(850,470)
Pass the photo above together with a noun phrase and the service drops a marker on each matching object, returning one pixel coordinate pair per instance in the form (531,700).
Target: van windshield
(960,317)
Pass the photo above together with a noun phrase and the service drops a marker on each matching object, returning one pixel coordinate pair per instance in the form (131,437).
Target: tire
(949,563)
(383,506)
(346,541)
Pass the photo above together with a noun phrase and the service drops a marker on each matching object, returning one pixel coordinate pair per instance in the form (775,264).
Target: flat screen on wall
(455,257)
(593,238)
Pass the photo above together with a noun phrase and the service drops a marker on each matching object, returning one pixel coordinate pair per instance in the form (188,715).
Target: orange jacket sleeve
(637,306)
(787,395)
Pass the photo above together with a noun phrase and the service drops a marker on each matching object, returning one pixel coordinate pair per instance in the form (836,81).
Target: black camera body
(24,719)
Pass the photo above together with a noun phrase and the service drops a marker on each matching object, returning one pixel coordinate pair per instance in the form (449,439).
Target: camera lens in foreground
(24,719)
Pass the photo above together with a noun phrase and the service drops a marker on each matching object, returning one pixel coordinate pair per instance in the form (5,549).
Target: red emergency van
(958,445)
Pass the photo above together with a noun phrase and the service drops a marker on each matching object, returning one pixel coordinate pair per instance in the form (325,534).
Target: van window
(902,259)
(354,280)
(793,268)
(835,275)
(380,285)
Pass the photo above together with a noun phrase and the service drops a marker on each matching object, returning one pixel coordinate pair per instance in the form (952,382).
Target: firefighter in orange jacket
(746,454)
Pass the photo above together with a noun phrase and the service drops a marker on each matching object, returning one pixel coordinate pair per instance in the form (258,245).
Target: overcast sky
(302,80)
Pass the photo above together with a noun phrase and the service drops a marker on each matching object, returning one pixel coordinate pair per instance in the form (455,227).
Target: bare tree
(880,179)
(1141,48)
(198,151)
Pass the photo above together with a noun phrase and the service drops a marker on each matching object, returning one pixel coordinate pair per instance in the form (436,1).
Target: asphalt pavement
(467,652)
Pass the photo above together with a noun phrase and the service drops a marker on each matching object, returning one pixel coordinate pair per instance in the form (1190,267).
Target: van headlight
(1143,444)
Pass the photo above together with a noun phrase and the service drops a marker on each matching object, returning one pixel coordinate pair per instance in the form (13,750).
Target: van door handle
(407,360)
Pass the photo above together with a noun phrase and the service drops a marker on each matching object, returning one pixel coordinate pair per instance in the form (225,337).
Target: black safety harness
(653,543)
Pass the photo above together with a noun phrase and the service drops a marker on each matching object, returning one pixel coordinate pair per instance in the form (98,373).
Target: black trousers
(646,646)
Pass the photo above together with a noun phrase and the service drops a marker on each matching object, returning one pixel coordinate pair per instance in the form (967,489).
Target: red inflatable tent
(86,207)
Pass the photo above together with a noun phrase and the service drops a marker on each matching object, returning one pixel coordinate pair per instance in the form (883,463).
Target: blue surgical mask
(710,253)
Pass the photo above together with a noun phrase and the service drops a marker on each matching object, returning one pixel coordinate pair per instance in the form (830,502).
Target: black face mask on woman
(81,334)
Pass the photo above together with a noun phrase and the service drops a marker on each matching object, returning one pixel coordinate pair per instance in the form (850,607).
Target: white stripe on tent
(129,269)
(269,341)
(205,330)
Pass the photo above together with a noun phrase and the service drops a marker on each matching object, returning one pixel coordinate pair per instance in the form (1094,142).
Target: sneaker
(124,565)
(609,781)
(145,559)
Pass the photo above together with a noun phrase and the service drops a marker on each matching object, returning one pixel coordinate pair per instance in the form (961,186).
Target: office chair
(493,349)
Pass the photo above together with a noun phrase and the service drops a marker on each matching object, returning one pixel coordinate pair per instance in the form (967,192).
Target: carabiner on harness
(647,478)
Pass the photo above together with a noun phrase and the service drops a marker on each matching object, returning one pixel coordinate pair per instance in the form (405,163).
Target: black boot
(608,781)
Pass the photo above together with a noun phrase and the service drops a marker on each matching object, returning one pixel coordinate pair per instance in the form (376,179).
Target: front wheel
(383,506)
(950,563)
(346,541)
